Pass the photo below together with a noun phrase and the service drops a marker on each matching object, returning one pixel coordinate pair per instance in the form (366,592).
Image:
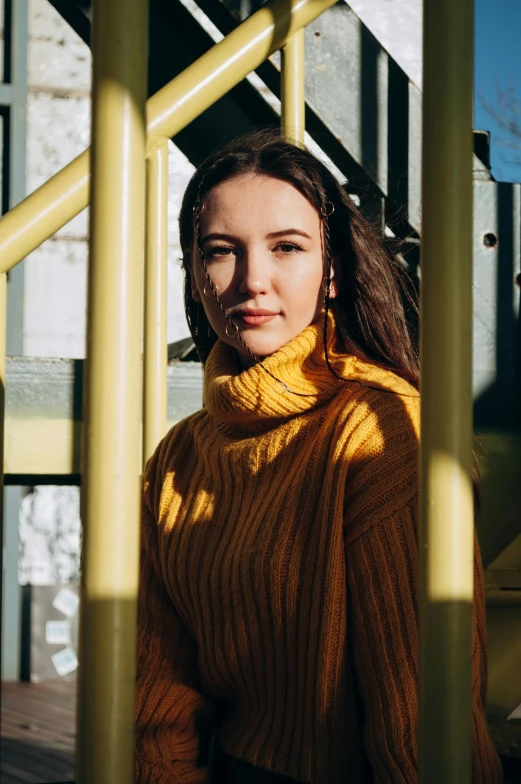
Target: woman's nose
(253,273)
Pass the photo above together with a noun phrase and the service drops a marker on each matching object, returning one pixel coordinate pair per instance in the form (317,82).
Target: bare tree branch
(506,113)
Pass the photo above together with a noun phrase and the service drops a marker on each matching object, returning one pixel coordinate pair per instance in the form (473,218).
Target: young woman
(278,632)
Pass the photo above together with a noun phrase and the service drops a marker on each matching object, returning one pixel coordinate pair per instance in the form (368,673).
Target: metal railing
(155,345)
(61,198)
(112,434)
(293,104)
(113,457)
(129,160)
(446,493)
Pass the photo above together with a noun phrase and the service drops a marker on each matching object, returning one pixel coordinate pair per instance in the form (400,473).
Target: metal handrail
(170,110)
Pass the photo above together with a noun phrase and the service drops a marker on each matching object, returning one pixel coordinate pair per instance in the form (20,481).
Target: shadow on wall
(497,415)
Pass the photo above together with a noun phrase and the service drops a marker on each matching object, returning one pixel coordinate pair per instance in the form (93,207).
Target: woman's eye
(289,247)
(220,250)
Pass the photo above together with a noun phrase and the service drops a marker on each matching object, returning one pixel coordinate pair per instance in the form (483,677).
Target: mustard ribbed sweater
(279,586)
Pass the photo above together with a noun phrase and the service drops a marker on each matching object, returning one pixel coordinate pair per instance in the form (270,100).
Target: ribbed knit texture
(279,585)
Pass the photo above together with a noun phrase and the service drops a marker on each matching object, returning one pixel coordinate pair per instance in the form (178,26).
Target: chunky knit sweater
(279,583)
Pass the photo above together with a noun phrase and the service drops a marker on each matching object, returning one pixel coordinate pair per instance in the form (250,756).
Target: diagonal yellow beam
(170,110)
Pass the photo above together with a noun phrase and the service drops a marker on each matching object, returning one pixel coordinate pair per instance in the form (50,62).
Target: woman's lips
(255,317)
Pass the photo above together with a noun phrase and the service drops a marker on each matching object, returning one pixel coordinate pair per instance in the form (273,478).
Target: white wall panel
(55,299)
(397,24)
(59,61)
(58,131)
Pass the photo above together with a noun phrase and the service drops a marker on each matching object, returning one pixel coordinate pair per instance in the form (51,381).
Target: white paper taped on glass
(516,714)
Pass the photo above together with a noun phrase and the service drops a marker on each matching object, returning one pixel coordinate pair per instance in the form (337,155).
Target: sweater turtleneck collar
(251,400)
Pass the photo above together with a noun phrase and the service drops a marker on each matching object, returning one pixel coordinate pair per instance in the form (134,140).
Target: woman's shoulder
(380,398)
(178,439)
(382,450)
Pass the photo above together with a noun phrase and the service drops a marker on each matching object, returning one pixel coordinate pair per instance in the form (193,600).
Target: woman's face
(263,246)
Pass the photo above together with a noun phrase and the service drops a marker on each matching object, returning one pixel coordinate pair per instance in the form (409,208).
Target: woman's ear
(187,261)
(335,279)
(195,291)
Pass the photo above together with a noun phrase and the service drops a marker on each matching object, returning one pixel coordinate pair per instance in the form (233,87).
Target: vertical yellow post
(112,431)
(155,347)
(3,342)
(292,88)
(446,499)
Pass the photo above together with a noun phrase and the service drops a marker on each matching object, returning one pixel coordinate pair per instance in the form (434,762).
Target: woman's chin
(258,346)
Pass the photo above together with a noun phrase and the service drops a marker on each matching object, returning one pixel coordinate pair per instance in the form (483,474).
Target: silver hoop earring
(327,285)
(327,209)
(234,329)
(207,291)
(280,387)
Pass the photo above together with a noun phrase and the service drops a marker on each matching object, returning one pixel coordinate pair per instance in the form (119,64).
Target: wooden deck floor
(38,732)
(38,735)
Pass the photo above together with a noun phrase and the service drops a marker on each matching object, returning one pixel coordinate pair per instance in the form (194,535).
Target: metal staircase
(365,114)
(350,84)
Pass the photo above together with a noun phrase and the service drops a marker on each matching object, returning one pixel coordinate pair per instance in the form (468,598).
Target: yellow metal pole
(3,343)
(112,458)
(292,89)
(155,346)
(170,110)
(446,498)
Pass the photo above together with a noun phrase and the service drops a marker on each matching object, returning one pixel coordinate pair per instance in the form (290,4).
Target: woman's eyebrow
(285,232)
(217,236)
(272,235)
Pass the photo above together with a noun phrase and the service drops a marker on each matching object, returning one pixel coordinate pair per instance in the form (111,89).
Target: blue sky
(497,59)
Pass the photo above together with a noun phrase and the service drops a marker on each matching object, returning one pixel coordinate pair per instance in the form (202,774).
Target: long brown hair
(369,307)
(376,307)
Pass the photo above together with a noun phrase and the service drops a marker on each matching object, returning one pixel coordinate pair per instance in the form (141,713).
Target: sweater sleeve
(173,718)
(382,573)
